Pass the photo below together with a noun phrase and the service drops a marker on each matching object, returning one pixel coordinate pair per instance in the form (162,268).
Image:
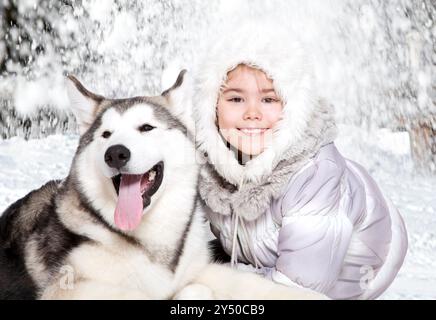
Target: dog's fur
(61,241)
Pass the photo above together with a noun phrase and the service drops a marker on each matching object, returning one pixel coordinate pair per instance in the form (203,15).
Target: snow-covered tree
(117,47)
(375,59)
(391,45)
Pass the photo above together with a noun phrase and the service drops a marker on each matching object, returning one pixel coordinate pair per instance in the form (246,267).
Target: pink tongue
(128,212)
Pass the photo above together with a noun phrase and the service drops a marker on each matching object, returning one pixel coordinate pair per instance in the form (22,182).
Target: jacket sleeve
(315,232)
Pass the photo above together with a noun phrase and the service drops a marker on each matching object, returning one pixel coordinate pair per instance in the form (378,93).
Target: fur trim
(306,124)
(253,197)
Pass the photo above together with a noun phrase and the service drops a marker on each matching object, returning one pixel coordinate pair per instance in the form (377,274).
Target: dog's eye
(106,134)
(145,127)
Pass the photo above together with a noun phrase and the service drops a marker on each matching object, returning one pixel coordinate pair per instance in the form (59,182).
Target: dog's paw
(194,292)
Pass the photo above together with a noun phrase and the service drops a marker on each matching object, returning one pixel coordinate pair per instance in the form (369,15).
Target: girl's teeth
(252,131)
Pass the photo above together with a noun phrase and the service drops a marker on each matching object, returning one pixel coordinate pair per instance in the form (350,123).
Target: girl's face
(248,108)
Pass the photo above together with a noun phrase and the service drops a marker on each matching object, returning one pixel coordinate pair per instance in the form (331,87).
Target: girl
(278,194)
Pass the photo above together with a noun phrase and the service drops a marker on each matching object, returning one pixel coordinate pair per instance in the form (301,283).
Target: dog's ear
(84,104)
(170,91)
(178,99)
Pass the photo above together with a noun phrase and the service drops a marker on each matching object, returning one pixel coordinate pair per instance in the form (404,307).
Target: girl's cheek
(275,114)
(228,116)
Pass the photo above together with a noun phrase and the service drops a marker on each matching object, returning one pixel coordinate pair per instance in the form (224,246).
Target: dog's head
(126,149)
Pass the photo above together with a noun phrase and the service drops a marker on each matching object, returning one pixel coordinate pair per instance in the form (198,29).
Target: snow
(373,61)
(382,51)
(44,92)
(382,153)
(26,165)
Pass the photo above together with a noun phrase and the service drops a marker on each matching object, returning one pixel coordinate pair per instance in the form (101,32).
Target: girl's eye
(235,99)
(145,128)
(269,100)
(106,134)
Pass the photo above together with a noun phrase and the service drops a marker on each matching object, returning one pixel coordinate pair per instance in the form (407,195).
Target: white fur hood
(281,55)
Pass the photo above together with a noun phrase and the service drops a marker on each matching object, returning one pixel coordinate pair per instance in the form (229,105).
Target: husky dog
(125,223)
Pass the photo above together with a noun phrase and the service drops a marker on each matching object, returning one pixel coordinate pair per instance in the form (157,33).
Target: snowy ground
(26,165)
(387,158)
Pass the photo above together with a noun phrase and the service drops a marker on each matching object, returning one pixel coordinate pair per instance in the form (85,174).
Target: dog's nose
(117,156)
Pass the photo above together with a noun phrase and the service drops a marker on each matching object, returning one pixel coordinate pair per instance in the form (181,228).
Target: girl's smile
(252,131)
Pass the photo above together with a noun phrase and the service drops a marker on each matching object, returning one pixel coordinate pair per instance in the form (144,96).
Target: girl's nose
(253,112)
